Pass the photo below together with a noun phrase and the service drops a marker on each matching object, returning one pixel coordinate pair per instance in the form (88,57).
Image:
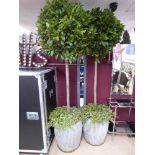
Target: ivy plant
(62,119)
(98,113)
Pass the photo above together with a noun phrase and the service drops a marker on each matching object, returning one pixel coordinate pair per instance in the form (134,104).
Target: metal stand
(115,105)
(116,102)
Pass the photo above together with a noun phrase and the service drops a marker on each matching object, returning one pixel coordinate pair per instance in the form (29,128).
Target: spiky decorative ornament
(26,51)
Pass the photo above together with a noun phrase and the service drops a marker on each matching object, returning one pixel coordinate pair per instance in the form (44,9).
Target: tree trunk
(67,86)
(95,83)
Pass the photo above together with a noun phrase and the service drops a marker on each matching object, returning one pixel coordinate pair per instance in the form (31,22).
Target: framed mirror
(123,69)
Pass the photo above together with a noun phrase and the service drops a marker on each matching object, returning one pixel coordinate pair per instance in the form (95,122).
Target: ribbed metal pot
(95,133)
(69,139)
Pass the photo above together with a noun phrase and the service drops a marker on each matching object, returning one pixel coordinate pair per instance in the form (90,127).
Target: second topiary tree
(106,32)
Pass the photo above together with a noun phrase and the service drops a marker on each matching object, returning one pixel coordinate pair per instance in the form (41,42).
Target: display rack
(122,88)
(121,127)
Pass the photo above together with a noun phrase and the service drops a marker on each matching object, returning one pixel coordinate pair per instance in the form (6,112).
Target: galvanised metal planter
(69,139)
(95,133)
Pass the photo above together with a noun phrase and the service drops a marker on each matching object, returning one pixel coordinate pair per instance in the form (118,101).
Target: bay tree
(62,28)
(106,31)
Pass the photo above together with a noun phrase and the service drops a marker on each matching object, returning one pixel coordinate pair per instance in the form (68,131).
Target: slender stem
(95,83)
(67,86)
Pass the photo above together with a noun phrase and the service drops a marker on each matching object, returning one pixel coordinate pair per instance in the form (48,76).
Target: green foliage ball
(62,29)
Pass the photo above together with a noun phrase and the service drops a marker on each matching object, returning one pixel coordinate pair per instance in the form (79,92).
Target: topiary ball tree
(62,28)
(106,33)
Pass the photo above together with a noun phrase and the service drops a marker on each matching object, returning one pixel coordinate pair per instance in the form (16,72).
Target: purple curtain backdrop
(103,85)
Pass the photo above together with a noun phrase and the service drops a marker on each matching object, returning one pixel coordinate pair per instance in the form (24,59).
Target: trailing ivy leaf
(61,118)
(99,113)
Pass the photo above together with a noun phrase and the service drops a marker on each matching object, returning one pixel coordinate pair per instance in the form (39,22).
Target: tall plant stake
(67,85)
(95,83)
